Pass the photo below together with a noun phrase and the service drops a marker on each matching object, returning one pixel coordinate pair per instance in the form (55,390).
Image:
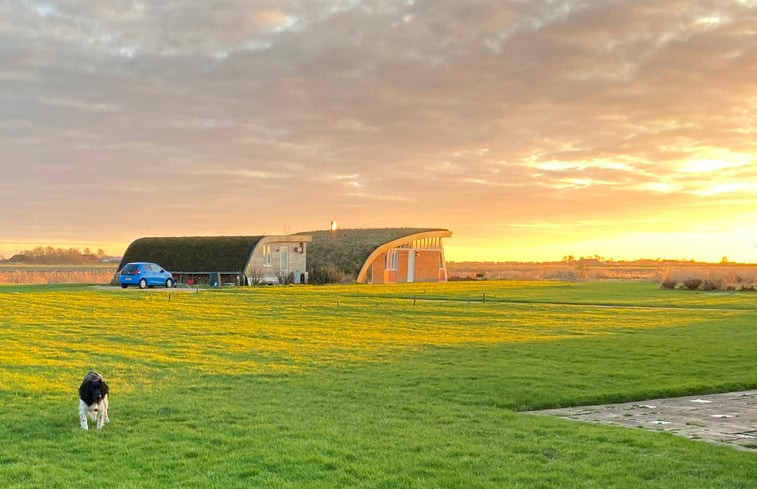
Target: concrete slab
(725,419)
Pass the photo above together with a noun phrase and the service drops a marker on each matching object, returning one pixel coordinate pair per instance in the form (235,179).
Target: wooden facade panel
(378,267)
(390,276)
(427,264)
(427,267)
(402,258)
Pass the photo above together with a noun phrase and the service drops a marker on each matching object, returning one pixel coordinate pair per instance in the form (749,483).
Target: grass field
(417,385)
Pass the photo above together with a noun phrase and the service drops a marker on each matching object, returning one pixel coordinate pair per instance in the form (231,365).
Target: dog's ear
(85,393)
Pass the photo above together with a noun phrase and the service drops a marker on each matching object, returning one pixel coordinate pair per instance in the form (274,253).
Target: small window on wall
(267,255)
(284,258)
(391,260)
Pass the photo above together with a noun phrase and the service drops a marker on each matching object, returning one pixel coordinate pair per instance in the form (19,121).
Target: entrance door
(411,266)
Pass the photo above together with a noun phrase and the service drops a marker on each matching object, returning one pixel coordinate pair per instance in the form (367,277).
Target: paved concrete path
(725,419)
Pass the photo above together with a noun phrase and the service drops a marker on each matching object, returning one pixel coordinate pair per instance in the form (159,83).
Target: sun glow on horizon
(703,241)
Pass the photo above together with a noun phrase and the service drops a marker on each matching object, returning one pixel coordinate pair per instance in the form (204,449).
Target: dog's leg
(102,413)
(105,408)
(83,415)
(99,415)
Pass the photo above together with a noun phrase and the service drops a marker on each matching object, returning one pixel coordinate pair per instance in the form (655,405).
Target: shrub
(669,284)
(692,283)
(712,285)
(714,277)
(328,274)
(284,277)
(255,277)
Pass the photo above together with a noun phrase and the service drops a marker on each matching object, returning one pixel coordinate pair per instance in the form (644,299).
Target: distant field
(726,276)
(416,385)
(56,274)
(554,271)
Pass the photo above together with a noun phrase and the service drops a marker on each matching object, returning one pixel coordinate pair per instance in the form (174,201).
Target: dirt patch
(724,419)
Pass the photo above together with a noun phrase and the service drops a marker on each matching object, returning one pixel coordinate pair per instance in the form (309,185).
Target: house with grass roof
(377,256)
(219,260)
(370,256)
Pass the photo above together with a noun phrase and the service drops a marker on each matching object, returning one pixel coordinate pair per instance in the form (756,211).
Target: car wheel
(169,283)
(123,286)
(142,284)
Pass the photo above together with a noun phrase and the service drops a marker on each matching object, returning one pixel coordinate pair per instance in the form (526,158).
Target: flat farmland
(16,274)
(413,385)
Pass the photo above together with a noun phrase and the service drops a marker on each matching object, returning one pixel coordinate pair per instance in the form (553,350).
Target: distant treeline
(57,256)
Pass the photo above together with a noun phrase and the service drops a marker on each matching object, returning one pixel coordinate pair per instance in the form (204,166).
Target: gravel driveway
(724,419)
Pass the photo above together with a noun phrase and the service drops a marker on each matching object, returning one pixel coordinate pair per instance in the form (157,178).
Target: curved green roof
(345,250)
(348,249)
(193,253)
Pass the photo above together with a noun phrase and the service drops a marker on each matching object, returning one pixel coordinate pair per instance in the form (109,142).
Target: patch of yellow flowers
(50,337)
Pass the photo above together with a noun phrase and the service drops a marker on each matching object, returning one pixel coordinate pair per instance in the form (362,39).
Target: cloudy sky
(531,129)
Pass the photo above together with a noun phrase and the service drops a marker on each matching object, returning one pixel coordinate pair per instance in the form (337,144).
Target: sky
(532,130)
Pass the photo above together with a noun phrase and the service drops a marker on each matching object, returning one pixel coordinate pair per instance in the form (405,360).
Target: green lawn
(417,385)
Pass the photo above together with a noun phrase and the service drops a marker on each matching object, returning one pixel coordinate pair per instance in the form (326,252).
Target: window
(267,255)
(284,258)
(391,260)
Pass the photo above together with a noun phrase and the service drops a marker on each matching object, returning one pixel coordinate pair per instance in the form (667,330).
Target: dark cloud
(378,113)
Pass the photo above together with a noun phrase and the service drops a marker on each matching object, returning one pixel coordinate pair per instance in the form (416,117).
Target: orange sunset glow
(531,130)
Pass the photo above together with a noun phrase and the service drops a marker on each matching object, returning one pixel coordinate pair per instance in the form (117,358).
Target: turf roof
(347,249)
(193,253)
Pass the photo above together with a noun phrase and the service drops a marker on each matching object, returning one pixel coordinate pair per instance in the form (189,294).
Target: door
(284,258)
(411,266)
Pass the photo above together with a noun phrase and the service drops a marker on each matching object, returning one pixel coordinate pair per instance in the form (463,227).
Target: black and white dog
(93,400)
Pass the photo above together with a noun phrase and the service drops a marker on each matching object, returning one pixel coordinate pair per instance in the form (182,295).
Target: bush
(668,284)
(712,285)
(328,274)
(714,277)
(692,283)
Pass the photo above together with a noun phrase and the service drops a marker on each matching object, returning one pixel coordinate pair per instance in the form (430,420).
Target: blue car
(144,275)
